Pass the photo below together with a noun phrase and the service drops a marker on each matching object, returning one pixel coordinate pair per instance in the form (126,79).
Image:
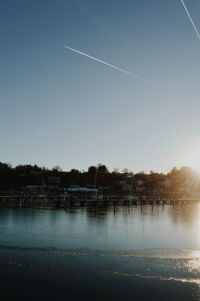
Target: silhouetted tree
(92,174)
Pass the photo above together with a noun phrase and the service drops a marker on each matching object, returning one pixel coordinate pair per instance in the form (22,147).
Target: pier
(17,200)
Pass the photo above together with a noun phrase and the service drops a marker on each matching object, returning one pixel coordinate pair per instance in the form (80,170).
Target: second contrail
(111,66)
(190,18)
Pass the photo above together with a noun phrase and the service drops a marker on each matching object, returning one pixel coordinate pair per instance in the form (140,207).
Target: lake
(130,253)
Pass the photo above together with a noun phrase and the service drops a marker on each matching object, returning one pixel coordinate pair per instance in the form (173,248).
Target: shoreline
(36,284)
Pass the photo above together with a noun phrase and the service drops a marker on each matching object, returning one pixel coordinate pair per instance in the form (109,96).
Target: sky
(58,107)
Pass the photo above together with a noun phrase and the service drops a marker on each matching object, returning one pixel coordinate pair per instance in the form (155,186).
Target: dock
(17,200)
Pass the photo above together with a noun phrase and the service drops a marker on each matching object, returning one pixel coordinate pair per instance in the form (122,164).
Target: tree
(57,168)
(92,174)
(102,169)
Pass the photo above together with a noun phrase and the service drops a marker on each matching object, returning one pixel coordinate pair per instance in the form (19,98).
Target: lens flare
(194,160)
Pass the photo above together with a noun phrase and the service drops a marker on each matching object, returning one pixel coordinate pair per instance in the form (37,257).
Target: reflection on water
(185,214)
(151,242)
(125,228)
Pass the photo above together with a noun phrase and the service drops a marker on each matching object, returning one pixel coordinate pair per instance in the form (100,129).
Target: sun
(194,160)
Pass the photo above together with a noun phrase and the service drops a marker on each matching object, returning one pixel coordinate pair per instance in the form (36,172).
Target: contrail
(187,12)
(112,66)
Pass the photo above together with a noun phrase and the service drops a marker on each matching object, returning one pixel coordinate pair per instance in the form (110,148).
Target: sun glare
(194,160)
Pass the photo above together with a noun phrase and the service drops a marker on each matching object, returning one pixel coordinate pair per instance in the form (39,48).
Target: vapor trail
(111,66)
(187,12)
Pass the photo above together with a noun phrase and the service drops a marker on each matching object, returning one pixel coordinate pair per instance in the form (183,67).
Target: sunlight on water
(159,243)
(196,254)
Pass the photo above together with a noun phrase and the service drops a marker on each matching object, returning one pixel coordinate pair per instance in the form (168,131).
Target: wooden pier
(49,200)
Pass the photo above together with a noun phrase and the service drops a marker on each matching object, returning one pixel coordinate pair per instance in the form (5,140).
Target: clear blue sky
(60,108)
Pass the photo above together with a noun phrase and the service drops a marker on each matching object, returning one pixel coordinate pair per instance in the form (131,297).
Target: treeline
(180,180)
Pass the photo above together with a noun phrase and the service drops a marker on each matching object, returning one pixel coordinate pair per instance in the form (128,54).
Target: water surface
(150,244)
